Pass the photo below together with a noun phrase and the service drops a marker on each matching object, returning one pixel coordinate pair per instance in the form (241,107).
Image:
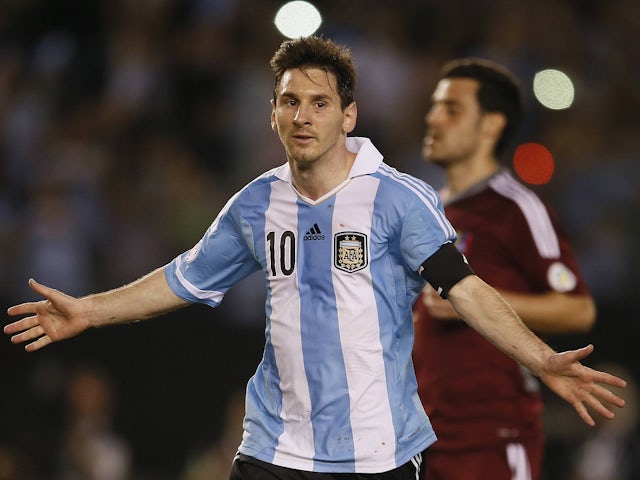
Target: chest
(339,232)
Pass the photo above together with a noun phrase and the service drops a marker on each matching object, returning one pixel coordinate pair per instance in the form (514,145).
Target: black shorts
(249,468)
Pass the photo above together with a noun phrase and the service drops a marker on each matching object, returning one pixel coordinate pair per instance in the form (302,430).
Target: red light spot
(533,163)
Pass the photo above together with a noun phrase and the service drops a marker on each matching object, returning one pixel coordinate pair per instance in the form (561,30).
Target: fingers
(23,308)
(27,329)
(21,325)
(41,289)
(27,335)
(38,344)
(594,400)
(584,414)
(596,405)
(608,396)
(579,354)
(608,379)
(30,307)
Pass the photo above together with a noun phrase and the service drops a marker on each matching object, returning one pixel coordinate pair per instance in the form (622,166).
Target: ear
(274,127)
(493,123)
(350,116)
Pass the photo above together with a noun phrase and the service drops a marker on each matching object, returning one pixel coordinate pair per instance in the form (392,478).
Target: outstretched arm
(484,309)
(61,316)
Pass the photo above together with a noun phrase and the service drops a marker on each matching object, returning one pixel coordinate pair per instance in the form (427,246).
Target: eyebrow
(319,96)
(446,102)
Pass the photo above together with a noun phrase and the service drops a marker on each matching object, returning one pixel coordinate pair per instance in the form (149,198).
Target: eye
(320,104)
(453,109)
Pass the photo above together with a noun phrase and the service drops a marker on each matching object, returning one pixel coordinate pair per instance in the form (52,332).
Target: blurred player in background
(345,243)
(485,407)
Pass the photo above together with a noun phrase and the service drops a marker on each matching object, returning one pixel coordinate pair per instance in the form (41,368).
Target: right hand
(56,318)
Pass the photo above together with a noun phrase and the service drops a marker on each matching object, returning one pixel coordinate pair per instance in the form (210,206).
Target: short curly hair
(317,52)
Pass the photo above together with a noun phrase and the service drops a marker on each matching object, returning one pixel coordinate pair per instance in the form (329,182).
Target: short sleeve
(220,259)
(425,229)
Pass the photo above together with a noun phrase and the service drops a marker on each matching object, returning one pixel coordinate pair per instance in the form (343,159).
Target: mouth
(302,138)
(431,137)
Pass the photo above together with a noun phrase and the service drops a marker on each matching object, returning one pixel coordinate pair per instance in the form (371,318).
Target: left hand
(582,386)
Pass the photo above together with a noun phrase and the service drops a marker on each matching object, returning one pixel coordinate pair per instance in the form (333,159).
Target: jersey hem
(334,467)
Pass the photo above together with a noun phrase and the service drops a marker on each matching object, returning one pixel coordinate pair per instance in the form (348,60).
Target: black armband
(445,268)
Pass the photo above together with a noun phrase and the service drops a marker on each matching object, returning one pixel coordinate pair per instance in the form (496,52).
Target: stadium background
(125,126)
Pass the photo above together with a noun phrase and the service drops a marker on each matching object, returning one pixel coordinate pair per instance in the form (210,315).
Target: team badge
(560,278)
(350,251)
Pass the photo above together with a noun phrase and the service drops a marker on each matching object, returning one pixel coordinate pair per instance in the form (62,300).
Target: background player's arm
(553,312)
(61,316)
(483,308)
(549,312)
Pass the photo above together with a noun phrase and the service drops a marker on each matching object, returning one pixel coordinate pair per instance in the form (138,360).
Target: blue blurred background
(125,125)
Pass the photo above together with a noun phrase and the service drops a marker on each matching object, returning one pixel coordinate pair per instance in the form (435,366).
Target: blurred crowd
(125,125)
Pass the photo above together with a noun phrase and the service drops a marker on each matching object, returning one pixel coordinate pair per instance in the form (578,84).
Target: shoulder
(530,207)
(249,198)
(258,187)
(508,187)
(406,186)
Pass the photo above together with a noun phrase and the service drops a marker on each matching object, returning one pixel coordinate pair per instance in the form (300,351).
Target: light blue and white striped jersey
(335,390)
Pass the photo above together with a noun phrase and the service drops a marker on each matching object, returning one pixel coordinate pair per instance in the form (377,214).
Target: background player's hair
(317,52)
(499,91)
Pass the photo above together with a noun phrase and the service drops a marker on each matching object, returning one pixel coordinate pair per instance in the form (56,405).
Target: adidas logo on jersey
(314,233)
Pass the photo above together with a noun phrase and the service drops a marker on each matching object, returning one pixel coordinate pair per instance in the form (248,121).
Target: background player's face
(308,117)
(454,122)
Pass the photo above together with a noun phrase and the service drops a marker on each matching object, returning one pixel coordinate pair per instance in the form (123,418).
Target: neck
(316,179)
(461,176)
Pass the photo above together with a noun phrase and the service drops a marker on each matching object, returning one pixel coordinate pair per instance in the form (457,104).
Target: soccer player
(345,243)
(485,407)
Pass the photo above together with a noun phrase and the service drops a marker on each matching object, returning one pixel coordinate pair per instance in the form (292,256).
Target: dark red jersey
(473,393)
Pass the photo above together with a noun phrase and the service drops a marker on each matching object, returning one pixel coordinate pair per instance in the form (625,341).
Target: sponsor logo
(314,233)
(350,251)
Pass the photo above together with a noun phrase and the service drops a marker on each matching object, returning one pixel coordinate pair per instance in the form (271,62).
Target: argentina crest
(350,251)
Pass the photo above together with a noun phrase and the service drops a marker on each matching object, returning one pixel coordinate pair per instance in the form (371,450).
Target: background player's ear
(493,123)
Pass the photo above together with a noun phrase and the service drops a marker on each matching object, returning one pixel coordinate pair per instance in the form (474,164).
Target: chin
(435,159)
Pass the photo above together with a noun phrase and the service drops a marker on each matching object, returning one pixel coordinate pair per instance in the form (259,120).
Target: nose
(301,117)
(431,116)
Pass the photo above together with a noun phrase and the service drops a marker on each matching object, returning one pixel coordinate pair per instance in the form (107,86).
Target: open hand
(56,318)
(582,386)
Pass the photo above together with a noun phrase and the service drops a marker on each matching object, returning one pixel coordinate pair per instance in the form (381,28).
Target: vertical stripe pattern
(373,430)
(335,390)
(285,337)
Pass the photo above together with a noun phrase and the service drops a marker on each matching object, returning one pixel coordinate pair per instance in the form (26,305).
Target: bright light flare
(533,163)
(298,19)
(553,89)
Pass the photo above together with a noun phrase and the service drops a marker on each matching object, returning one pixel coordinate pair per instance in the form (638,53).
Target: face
(308,117)
(453,122)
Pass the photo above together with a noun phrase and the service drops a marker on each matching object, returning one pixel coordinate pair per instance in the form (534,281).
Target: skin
(312,126)
(461,139)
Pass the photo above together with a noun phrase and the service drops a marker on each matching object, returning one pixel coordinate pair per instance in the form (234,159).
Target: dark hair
(499,91)
(316,52)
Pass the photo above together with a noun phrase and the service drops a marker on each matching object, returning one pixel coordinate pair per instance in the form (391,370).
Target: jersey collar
(367,161)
